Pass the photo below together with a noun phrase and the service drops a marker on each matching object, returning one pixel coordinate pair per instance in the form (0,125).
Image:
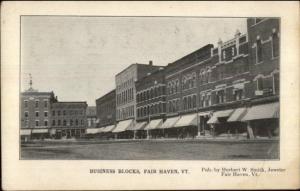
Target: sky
(78,57)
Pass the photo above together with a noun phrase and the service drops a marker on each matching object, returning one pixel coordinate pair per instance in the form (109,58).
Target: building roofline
(106,94)
(152,73)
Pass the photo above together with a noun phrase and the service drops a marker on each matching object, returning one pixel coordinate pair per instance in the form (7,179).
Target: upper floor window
(221,96)
(238,94)
(36,113)
(46,113)
(259,85)
(276,83)
(45,103)
(53,122)
(64,112)
(259,53)
(25,103)
(275,45)
(53,113)
(37,103)
(58,113)
(36,123)
(46,123)
(26,114)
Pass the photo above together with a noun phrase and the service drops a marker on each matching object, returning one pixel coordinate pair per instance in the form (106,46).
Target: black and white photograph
(149,88)
(164,95)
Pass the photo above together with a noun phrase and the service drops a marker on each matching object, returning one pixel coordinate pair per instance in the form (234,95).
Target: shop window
(259,53)
(275,45)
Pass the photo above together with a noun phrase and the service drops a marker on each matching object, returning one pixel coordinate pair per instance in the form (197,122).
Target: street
(152,150)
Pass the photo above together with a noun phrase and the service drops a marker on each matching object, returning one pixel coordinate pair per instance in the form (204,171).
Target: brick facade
(106,109)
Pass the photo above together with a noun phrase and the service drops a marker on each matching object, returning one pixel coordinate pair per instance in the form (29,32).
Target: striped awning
(37,131)
(108,128)
(170,122)
(237,115)
(219,114)
(265,111)
(123,126)
(154,124)
(137,126)
(187,120)
(25,132)
(92,130)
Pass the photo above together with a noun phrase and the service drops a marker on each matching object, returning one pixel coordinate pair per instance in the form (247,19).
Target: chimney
(150,63)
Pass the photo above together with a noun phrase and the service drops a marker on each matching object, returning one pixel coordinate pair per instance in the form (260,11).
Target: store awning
(170,122)
(265,111)
(92,130)
(108,128)
(219,114)
(36,131)
(25,132)
(154,124)
(187,120)
(204,113)
(237,115)
(138,126)
(123,126)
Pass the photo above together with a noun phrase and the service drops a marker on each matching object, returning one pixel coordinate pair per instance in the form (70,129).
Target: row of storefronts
(254,122)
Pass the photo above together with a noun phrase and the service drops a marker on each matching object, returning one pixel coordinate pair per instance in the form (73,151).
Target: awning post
(250,130)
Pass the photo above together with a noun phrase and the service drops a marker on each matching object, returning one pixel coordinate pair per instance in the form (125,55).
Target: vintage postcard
(150,95)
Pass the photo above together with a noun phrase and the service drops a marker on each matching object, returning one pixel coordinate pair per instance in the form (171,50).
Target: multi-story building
(125,94)
(35,113)
(69,119)
(151,101)
(264,55)
(184,79)
(106,109)
(91,117)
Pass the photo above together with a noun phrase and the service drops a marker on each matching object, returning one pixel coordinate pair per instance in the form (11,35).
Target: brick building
(69,119)
(264,44)
(91,117)
(35,113)
(106,115)
(125,95)
(151,101)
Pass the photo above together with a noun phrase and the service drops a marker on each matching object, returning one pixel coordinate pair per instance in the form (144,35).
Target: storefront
(218,123)
(168,127)
(262,121)
(137,129)
(121,129)
(153,129)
